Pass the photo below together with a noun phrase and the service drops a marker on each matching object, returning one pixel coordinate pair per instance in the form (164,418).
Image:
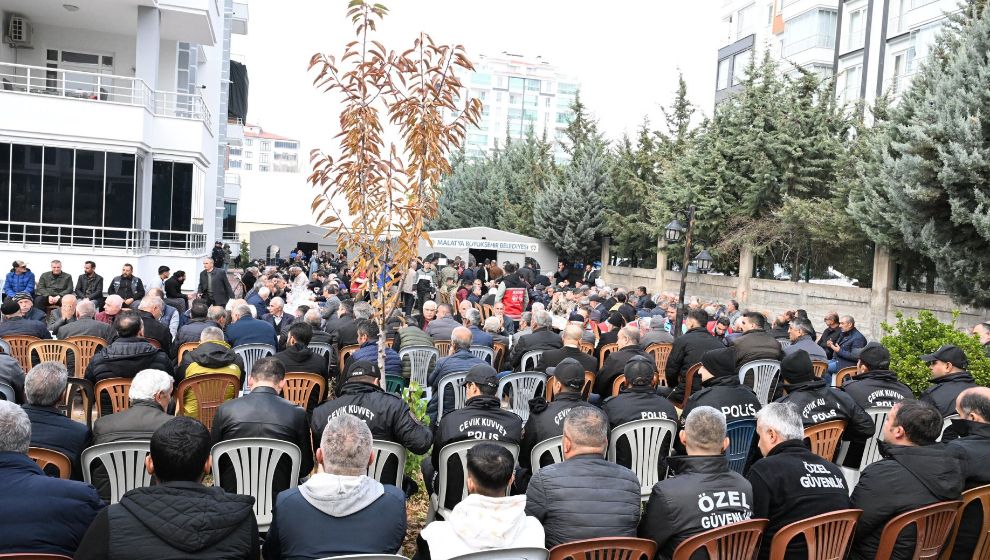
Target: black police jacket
(481,418)
(817,404)
(387,416)
(877,388)
(546,420)
(974,444)
(637,403)
(946,389)
(736,401)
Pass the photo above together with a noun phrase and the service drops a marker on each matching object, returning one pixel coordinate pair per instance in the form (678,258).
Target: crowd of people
(328,505)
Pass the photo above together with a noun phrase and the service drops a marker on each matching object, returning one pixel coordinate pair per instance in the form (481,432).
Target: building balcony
(25,235)
(231,186)
(239,19)
(790,48)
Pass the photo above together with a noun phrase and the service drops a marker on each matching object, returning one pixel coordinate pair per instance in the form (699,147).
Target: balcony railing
(134,241)
(790,48)
(124,90)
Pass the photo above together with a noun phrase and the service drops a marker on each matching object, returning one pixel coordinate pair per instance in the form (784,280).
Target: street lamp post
(704,260)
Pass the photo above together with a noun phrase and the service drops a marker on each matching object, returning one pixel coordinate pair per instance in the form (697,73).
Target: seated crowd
(732,453)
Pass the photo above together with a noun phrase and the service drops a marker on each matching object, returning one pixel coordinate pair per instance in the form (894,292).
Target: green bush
(911,337)
(414,398)
(245,253)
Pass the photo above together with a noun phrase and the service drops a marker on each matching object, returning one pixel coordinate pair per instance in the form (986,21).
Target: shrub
(417,405)
(911,337)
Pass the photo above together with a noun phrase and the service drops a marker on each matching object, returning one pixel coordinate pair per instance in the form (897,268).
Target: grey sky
(626,54)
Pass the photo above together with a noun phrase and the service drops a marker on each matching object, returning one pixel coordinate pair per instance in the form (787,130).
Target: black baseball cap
(575,317)
(947,353)
(10,307)
(875,356)
(639,370)
(569,372)
(482,374)
(363,368)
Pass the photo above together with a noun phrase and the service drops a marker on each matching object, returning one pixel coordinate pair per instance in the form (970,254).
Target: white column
(147,45)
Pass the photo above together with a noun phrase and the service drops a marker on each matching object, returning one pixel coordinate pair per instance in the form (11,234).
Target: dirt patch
(416,509)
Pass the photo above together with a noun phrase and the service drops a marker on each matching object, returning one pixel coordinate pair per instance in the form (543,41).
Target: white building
(519,94)
(113,131)
(264,152)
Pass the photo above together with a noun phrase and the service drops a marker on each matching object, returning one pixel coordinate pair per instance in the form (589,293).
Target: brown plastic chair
(828,535)
(299,386)
(981,550)
(618,384)
(87,347)
(934,523)
(825,438)
(185,347)
(604,351)
(587,347)
(442,346)
(611,548)
(842,374)
(500,350)
(819,368)
(44,457)
(688,378)
(487,311)
(35,556)
(117,388)
(19,349)
(345,353)
(660,352)
(736,541)
(85,389)
(154,342)
(210,391)
(55,351)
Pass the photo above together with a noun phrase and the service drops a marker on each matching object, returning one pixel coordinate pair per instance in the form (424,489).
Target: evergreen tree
(469,195)
(629,195)
(519,174)
(581,128)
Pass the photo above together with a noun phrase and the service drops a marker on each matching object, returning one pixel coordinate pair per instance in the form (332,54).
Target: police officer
(638,400)
(481,418)
(546,420)
(949,378)
(874,385)
(817,403)
(721,387)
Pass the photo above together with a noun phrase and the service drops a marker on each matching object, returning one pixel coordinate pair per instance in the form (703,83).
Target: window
(266,145)
(234,164)
(516,84)
(249,141)
(286,145)
(564,118)
(740,61)
(533,85)
(897,23)
(722,80)
(921,43)
(896,85)
(745,21)
(248,167)
(498,97)
(475,138)
(235,151)
(229,217)
(852,83)
(263,168)
(514,99)
(815,28)
(82,70)
(567,89)
(857,30)
(171,195)
(248,155)
(481,79)
(264,158)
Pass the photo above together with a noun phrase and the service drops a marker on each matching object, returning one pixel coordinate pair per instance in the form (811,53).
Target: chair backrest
(124,464)
(487,310)
(520,553)
(783,343)
(521,387)
(394,383)
(254,461)
(762,376)
(740,434)
(871,452)
(460,449)
(650,442)
(154,342)
(386,452)
(500,350)
(618,384)
(7,393)
(819,368)
(55,351)
(981,548)
(455,382)
(660,352)
(933,524)
(610,548)
(44,457)
(250,353)
(587,347)
(485,353)
(420,360)
(36,555)
(842,375)
(345,353)
(210,391)
(828,535)
(117,388)
(5,348)
(19,349)
(300,385)
(946,422)
(530,359)
(554,446)
(186,347)
(825,438)
(322,348)
(442,346)
(730,542)
(689,376)
(604,351)
(87,347)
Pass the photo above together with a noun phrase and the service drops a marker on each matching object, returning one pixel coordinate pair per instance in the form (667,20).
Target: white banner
(510,246)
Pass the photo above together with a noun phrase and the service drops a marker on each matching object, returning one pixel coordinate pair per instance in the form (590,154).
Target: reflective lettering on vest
(513,300)
(653,416)
(355,410)
(739,410)
(893,397)
(827,480)
(471,425)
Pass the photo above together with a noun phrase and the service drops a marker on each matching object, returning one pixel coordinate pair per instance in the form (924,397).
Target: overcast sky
(626,54)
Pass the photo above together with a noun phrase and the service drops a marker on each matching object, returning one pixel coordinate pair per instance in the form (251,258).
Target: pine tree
(469,195)
(581,128)
(629,195)
(519,173)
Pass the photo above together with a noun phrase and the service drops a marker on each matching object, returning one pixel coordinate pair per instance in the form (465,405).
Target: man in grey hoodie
(339,510)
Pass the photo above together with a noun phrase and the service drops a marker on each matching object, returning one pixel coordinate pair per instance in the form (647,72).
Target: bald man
(973,428)
(571,338)
(616,361)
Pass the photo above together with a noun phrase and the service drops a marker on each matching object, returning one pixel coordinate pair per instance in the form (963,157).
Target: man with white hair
(85,324)
(340,500)
(791,483)
(245,329)
(64,314)
(441,327)
(213,284)
(314,318)
(279,319)
(111,308)
(148,395)
(41,514)
(44,387)
(259,299)
(170,315)
(150,309)
(542,338)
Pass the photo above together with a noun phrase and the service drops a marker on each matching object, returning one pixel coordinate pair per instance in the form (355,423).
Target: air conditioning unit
(18,32)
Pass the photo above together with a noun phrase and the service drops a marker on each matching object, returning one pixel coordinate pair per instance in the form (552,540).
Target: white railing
(130,240)
(232,236)
(183,106)
(791,48)
(185,241)
(231,178)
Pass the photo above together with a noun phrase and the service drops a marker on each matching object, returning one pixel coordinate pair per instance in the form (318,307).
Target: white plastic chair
(420,358)
(459,449)
(554,446)
(251,353)
(784,343)
(523,387)
(367,557)
(485,353)
(124,463)
(946,423)
(456,382)
(521,553)
(384,450)
(7,392)
(871,451)
(649,442)
(530,359)
(764,378)
(254,461)
(321,348)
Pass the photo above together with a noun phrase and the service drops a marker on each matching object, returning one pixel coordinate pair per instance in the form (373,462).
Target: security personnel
(874,385)
(481,418)
(387,416)
(949,378)
(721,387)
(638,400)
(546,419)
(817,403)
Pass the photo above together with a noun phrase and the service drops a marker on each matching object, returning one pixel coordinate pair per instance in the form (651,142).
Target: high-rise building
(519,94)
(113,130)
(264,152)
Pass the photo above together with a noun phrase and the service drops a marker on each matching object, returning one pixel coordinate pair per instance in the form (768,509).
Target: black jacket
(154,330)
(613,367)
(817,404)
(877,388)
(637,403)
(539,339)
(481,418)
(736,401)
(585,497)
(299,358)
(907,478)
(546,420)
(190,332)
(790,484)
(89,287)
(52,430)
(173,289)
(127,288)
(174,520)
(218,283)
(551,358)
(26,327)
(678,507)
(830,334)
(974,445)
(263,413)
(756,345)
(686,352)
(944,391)
(125,357)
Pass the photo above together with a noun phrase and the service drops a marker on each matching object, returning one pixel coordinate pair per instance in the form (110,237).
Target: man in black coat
(173,291)
(791,483)
(213,284)
(616,361)
(128,354)
(129,287)
(687,351)
(14,324)
(755,343)
(198,321)
(638,400)
(831,333)
(44,387)
(542,338)
(874,385)
(721,388)
(89,285)
(973,429)
(279,320)
(297,357)
(571,339)
(915,472)
(150,310)
(949,378)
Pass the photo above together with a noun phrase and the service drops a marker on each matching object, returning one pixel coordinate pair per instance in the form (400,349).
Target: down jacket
(369,352)
(125,357)
(585,497)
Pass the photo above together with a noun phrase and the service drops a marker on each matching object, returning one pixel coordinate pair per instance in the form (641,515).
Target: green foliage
(245,253)
(911,337)
(413,396)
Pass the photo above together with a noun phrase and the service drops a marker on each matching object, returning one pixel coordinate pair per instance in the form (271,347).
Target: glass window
(4,181)
(171,195)
(119,200)
(722,80)
(286,145)
(229,217)
(852,84)
(897,21)
(857,29)
(481,79)
(815,28)
(249,141)
(161,194)
(248,155)
(516,84)
(248,166)
(88,201)
(745,21)
(898,73)
(264,158)
(739,64)
(266,145)
(57,186)
(182,196)
(234,164)
(532,85)
(567,89)
(262,168)
(514,99)
(25,184)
